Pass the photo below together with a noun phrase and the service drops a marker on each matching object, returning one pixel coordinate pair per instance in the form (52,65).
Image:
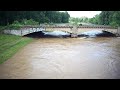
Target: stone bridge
(70,29)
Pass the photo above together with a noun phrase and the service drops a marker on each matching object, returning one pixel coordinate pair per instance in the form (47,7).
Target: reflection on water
(66,58)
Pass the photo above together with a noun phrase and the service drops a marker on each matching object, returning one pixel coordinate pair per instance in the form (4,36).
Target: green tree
(8,17)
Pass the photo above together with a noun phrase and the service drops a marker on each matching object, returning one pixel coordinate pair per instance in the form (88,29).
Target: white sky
(88,14)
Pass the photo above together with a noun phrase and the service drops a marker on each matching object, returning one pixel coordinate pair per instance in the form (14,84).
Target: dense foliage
(107,18)
(8,17)
(74,20)
(104,18)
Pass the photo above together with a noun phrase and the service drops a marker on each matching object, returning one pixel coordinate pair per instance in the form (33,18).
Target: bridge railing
(69,26)
(107,27)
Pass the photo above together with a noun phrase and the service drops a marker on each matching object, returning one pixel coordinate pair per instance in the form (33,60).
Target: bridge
(74,30)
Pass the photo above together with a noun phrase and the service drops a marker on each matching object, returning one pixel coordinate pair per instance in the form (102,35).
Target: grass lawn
(10,44)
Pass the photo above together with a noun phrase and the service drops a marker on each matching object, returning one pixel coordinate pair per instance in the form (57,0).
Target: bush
(12,26)
(29,22)
(114,24)
(17,25)
(1,28)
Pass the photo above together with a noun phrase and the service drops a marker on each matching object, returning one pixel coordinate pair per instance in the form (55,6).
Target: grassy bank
(10,44)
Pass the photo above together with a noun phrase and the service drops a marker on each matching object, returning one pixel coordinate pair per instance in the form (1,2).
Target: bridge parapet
(106,27)
(68,26)
(58,26)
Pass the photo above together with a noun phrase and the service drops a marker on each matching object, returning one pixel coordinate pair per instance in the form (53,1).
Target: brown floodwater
(65,58)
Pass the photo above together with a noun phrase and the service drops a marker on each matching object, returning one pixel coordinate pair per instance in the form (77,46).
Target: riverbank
(10,44)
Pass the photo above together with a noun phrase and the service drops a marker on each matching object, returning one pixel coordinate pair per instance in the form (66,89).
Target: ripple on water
(65,58)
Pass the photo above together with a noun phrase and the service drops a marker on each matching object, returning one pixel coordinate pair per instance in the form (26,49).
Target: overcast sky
(88,14)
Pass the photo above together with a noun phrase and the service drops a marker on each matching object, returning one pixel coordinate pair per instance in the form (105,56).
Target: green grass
(10,44)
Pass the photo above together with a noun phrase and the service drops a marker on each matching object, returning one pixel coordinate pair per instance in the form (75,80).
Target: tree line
(78,20)
(107,18)
(111,18)
(8,17)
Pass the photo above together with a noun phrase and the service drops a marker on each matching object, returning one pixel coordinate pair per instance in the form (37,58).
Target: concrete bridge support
(23,31)
(118,31)
(74,32)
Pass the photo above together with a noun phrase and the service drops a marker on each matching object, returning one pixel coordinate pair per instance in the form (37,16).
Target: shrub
(29,22)
(114,24)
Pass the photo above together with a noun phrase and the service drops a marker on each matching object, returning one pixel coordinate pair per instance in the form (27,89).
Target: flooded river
(65,58)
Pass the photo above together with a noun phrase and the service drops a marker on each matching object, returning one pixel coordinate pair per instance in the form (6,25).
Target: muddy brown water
(65,58)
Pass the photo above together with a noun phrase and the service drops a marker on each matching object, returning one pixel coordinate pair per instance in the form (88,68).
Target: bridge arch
(69,29)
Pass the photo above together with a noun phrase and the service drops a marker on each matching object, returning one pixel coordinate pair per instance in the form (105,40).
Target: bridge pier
(21,32)
(74,32)
(74,35)
(118,32)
